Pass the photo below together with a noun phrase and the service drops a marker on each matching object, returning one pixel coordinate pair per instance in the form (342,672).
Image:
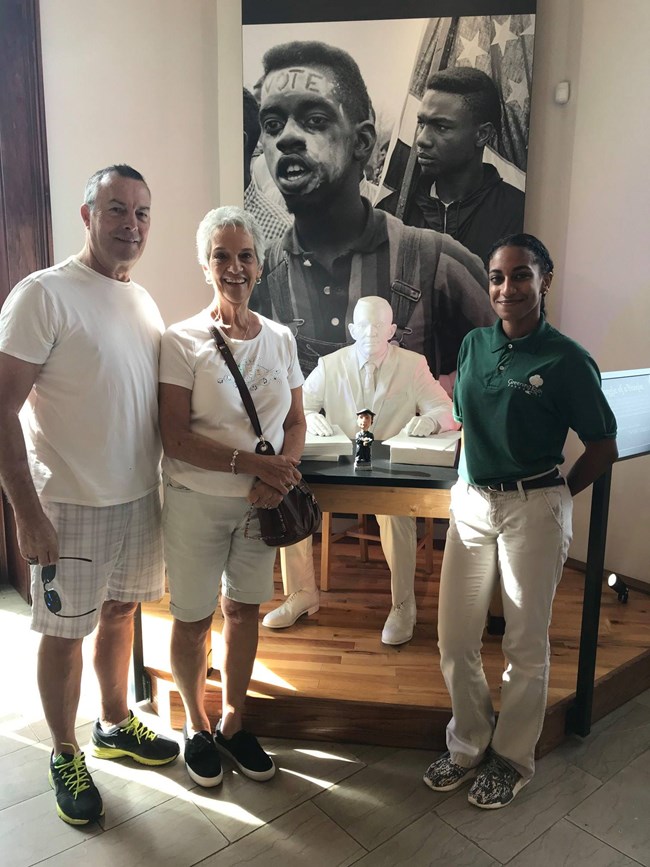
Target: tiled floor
(330,804)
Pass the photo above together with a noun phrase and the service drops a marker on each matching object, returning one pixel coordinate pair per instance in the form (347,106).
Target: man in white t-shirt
(81,341)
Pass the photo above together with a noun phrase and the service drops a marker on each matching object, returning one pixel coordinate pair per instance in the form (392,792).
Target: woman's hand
(278,472)
(596,459)
(263,496)
(180,442)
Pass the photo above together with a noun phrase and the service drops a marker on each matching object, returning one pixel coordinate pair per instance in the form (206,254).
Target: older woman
(521,385)
(212,478)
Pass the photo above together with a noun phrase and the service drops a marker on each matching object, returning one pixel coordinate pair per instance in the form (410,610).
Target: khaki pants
(520,540)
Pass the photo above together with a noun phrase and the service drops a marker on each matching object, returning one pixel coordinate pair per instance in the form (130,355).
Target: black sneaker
(134,740)
(77,799)
(244,750)
(496,784)
(202,759)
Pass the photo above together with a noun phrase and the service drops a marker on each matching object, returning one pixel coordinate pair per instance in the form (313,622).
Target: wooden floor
(329,677)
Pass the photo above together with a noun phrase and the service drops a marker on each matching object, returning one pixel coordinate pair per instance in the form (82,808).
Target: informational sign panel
(628,393)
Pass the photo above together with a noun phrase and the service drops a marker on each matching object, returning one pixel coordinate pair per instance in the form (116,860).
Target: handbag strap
(247,400)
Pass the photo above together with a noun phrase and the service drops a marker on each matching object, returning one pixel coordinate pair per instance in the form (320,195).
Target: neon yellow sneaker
(134,740)
(77,798)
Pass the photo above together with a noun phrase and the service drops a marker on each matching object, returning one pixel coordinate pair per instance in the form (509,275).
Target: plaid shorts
(120,551)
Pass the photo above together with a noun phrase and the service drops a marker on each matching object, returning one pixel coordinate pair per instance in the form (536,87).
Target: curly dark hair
(477,89)
(252,126)
(541,256)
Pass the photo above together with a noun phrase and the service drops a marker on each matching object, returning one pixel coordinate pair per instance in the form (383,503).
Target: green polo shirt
(517,400)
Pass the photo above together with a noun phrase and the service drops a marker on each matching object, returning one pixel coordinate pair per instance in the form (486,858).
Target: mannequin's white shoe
(399,625)
(299,603)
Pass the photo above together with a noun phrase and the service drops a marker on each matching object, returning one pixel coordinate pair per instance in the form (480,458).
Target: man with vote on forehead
(397,386)
(317,136)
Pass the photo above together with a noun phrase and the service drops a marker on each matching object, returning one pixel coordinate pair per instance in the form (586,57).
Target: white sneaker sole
(259,776)
(205,782)
(517,788)
(450,787)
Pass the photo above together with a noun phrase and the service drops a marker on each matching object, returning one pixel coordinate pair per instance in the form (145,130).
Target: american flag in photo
(499,45)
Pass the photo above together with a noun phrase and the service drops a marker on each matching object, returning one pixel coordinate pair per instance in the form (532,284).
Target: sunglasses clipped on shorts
(51,597)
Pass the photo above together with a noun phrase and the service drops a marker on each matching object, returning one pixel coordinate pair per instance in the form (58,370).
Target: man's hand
(37,540)
(421,426)
(318,425)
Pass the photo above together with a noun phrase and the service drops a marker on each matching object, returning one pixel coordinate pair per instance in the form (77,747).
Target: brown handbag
(298,515)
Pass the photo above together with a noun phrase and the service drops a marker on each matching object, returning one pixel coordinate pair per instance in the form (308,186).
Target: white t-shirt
(92,419)
(269,364)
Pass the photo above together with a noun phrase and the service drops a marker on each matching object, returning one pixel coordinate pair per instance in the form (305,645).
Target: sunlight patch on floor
(323,784)
(222,807)
(319,754)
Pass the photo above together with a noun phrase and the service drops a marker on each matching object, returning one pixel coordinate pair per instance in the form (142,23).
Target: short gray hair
(121,169)
(228,215)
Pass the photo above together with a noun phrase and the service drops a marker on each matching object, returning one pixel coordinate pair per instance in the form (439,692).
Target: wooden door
(25,223)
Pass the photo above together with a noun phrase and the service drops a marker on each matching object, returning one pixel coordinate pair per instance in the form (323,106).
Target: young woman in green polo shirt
(521,385)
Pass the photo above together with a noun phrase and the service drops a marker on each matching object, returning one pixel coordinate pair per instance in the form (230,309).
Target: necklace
(216,315)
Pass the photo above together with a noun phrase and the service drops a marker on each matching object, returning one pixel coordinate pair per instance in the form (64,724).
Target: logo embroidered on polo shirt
(532,387)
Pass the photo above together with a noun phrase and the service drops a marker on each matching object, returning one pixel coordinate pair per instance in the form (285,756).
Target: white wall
(138,83)
(157,83)
(588,194)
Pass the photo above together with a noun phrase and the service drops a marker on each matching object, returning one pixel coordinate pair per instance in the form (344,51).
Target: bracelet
(233,462)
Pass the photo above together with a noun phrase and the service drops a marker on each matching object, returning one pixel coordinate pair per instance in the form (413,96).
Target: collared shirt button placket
(503,366)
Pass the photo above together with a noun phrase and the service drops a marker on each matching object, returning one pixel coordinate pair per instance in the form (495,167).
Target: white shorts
(206,548)
(122,550)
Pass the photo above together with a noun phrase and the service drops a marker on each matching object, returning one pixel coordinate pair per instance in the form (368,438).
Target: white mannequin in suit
(399,388)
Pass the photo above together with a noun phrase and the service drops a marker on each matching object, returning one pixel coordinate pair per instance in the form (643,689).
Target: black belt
(547,481)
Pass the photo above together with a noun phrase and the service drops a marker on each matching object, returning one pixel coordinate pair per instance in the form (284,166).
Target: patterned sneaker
(443,775)
(495,785)
(202,759)
(77,799)
(244,750)
(134,740)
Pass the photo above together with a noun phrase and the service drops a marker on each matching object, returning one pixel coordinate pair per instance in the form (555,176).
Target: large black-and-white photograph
(384,155)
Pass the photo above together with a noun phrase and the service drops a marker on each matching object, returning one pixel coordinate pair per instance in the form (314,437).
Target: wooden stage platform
(329,677)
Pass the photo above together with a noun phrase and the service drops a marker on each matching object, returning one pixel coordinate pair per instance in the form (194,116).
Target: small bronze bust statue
(364,440)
